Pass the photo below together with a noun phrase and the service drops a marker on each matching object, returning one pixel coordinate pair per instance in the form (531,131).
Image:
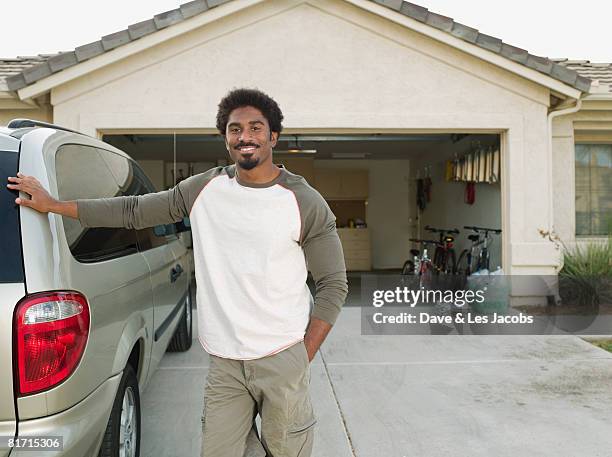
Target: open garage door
(385,189)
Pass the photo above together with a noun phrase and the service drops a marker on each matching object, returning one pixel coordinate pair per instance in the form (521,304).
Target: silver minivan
(85,314)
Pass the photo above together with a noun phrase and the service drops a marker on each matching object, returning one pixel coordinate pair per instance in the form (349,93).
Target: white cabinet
(356,247)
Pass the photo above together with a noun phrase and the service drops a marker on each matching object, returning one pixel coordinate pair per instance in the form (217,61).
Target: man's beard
(248,163)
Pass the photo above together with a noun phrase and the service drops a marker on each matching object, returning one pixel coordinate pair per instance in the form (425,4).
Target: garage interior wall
(448,209)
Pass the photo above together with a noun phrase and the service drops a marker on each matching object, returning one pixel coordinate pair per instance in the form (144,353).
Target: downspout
(551,116)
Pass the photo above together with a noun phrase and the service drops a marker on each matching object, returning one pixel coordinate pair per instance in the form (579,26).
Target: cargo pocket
(300,439)
(302,428)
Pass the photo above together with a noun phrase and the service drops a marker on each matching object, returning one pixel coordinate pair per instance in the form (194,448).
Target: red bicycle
(444,259)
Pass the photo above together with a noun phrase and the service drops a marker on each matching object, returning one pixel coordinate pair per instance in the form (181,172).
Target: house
(387,93)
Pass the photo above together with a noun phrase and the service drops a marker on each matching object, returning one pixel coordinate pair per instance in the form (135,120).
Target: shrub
(586,276)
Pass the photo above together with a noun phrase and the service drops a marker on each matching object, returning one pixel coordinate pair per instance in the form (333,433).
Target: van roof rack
(23,123)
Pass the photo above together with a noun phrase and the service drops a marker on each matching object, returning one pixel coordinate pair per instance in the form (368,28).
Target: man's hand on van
(40,199)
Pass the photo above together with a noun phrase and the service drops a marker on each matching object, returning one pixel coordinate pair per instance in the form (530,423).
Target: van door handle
(176,272)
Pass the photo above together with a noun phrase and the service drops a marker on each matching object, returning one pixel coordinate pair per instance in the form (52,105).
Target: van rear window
(11,264)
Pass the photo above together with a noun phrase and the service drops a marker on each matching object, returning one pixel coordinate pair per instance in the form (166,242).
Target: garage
(384,188)
(386,93)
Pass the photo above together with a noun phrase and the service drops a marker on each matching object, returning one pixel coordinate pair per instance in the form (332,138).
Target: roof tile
(63,60)
(141,29)
(564,74)
(16,82)
(440,22)
(489,42)
(168,18)
(36,72)
(88,51)
(414,11)
(464,32)
(193,8)
(512,52)
(213,3)
(540,64)
(115,40)
(582,83)
(393,4)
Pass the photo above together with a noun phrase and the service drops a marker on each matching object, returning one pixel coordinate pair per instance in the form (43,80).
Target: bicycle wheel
(408,268)
(439,259)
(426,276)
(451,261)
(461,260)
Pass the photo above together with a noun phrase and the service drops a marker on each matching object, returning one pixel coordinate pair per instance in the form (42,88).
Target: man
(257,229)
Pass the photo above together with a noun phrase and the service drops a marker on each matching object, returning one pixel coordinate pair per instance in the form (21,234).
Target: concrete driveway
(425,396)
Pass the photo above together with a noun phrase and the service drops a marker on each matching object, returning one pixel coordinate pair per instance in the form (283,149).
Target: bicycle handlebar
(481,229)
(437,230)
(416,240)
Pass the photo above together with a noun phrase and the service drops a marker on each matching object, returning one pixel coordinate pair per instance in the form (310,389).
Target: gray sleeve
(324,256)
(141,211)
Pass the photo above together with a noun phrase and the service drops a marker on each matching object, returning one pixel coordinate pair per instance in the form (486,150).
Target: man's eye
(255,129)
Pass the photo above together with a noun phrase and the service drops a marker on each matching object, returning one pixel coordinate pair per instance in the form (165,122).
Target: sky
(543,27)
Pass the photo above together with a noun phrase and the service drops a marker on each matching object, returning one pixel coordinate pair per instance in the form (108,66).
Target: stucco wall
(333,68)
(7,114)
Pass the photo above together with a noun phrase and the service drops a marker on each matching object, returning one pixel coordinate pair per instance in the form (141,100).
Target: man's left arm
(325,260)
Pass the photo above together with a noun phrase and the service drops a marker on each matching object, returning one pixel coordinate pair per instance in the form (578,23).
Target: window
(593,189)
(152,237)
(11,268)
(87,172)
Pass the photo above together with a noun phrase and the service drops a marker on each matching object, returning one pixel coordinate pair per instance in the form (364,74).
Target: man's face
(248,139)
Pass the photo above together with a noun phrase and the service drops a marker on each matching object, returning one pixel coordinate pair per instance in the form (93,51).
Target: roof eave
(478,45)
(45,84)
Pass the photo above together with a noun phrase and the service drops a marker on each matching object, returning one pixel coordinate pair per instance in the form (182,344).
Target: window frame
(586,142)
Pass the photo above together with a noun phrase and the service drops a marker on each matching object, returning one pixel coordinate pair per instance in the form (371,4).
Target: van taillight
(51,331)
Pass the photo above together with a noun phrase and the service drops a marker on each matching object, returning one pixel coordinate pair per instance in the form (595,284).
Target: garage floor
(424,396)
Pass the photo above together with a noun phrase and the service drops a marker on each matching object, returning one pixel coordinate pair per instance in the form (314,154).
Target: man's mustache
(242,145)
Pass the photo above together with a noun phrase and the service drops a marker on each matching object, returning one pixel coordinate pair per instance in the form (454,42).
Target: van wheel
(182,338)
(122,436)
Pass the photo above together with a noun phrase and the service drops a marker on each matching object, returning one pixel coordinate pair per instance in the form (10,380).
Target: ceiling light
(349,155)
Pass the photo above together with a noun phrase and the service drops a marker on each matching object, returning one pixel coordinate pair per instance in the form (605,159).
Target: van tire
(110,442)
(182,338)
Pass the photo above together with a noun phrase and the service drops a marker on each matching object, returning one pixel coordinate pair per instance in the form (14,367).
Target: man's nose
(245,136)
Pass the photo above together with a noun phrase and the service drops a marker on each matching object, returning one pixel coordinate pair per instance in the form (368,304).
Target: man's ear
(273,138)
(226,143)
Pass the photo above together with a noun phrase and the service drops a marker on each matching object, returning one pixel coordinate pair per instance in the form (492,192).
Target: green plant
(586,276)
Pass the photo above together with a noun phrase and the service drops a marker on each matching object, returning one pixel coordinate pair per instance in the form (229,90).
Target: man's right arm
(137,212)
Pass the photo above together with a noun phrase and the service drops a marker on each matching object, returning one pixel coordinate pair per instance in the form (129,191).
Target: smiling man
(257,230)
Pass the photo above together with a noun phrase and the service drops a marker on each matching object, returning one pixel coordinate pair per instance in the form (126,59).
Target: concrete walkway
(424,396)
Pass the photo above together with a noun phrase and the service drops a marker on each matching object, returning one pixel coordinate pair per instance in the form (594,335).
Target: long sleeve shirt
(253,246)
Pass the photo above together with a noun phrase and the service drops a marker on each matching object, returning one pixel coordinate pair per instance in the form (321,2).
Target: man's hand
(315,334)
(40,199)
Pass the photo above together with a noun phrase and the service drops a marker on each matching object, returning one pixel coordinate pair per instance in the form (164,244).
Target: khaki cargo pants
(276,388)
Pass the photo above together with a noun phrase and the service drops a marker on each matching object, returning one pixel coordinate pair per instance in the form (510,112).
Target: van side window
(83,172)
(151,237)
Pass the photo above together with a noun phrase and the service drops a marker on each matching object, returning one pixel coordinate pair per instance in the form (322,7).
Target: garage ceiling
(209,148)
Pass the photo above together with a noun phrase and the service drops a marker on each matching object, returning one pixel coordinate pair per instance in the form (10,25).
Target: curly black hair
(238,98)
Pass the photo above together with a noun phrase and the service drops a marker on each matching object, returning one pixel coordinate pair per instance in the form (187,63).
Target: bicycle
(421,265)
(481,243)
(444,260)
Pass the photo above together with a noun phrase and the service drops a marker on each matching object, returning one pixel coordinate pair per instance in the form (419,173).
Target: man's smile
(246,148)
